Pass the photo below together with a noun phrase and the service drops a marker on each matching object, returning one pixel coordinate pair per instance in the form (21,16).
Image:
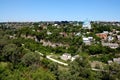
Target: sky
(59,10)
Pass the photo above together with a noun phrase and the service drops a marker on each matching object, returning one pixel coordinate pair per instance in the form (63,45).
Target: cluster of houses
(109,39)
(48,43)
(16,25)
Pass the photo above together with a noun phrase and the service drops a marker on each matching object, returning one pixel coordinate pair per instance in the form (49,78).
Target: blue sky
(52,10)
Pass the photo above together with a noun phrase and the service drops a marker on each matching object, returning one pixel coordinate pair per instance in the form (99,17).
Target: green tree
(80,70)
(114,71)
(53,68)
(95,49)
(42,74)
(30,58)
(10,52)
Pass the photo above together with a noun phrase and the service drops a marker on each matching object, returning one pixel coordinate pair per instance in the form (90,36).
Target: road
(52,59)
(99,70)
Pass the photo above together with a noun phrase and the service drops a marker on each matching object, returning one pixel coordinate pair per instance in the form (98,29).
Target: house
(118,37)
(49,33)
(87,40)
(105,32)
(86,25)
(113,30)
(111,45)
(55,25)
(90,38)
(74,57)
(110,38)
(102,35)
(117,60)
(117,32)
(30,37)
(78,34)
(63,34)
(96,65)
(110,33)
(66,56)
(110,61)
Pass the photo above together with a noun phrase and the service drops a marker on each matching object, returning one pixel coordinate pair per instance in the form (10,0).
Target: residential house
(117,60)
(87,40)
(78,34)
(74,57)
(102,35)
(110,62)
(63,34)
(110,38)
(117,32)
(66,56)
(118,37)
(55,25)
(49,33)
(111,45)
(105,32)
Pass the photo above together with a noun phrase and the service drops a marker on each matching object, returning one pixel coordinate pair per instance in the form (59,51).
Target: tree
(9,52)
(41,74)
(80,70)
(53,68)
(114,71)
(5,70)
(95,49)
(64,75)
(30,58)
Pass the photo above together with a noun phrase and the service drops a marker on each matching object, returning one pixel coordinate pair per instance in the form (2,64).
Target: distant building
(111,45)
(49,33)
(74,57)
(86,25)
(63,34)
(110,38)
(102,35)
(110,62)
(117,60)
(118,37)
(78,34)
(66,56)
(87,40)
(105,32)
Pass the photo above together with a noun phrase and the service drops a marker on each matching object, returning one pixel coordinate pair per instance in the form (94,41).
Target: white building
(78,34)
(110,38)
(74,57)
(49,33)
(105,32)
(86,25)
(87,40)
(111,45)
(66,56)
(118,36)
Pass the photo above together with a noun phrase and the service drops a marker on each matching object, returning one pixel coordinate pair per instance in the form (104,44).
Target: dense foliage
(19,59)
